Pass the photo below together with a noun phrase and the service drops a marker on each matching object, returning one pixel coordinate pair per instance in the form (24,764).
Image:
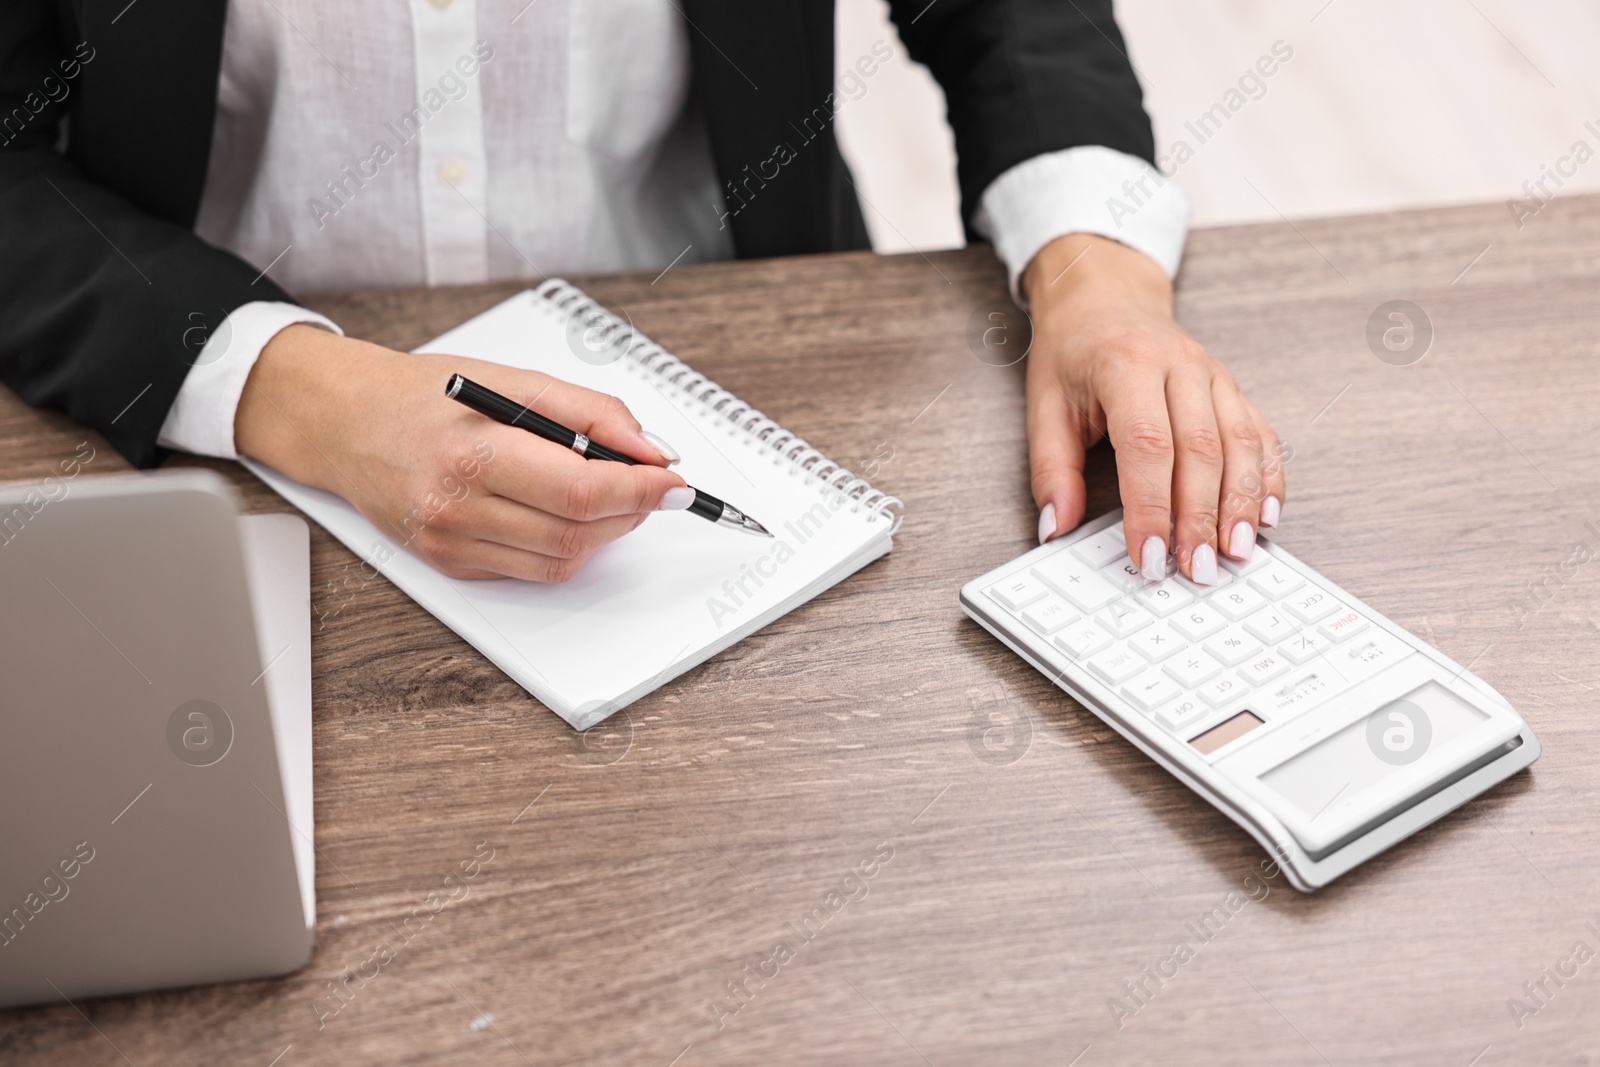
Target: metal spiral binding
(650,358)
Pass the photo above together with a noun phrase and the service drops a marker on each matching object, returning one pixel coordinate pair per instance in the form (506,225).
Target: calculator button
(1304,646)
(1263,668)
(1150,690)
(1157,643)
(1082,587)
(1049,615)
(1233,646)
(1258,558)
(1099,549)
(1123,617)
(1342,625)
(1311,604)
(1017,591)
(1223,691)
(1124,575)
(1193,668)
(1084,639)
(1199,621)
(1276,581)
(1117,665)
(1165,598)
(1177,716)
(1237,602)
(1271,626)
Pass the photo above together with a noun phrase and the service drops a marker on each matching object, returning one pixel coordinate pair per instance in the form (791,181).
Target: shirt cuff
(201,418)
(1089,189)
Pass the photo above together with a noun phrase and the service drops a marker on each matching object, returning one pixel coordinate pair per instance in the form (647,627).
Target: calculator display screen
(1373,748)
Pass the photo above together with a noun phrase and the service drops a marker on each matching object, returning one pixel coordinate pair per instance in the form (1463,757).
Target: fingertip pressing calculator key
(1326,731)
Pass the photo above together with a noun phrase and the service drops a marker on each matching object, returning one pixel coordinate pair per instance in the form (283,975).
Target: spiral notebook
(677,590)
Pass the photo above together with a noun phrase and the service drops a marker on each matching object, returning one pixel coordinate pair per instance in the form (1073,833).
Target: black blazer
(106,114)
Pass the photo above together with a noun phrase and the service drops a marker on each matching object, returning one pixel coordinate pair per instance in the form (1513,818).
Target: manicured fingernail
(676,499)
(1203,566)
(1047,523)
(1243,541)
(1153,559)
(1271,511)
(668,453)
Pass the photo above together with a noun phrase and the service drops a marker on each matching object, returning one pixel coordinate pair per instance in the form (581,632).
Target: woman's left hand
(1197,463)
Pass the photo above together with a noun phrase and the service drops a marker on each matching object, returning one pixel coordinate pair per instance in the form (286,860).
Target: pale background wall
(1385,104)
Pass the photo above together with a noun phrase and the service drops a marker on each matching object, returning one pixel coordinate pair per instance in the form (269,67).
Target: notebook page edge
(350,529)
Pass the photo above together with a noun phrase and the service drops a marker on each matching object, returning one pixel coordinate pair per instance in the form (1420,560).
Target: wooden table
(640,877)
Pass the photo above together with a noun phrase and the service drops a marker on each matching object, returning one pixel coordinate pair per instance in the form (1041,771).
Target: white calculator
(1325,730)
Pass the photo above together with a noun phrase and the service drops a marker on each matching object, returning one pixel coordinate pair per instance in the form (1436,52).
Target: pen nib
(733,518)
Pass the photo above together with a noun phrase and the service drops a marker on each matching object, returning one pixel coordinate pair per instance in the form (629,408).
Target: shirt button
(440,4)
(452,171)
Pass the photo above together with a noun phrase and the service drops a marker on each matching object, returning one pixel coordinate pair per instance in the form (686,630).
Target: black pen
(503,409)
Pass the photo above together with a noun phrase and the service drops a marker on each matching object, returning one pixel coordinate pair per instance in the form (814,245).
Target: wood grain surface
(826,784)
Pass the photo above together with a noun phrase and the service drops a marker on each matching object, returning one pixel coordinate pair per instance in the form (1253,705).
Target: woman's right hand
(473,497)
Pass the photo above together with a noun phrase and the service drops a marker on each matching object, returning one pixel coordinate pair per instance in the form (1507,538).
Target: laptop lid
(144,841)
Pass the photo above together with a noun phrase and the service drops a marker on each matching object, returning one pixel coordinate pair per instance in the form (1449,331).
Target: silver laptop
(155,737)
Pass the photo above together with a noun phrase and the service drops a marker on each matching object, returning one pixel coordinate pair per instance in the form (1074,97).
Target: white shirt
(494,140)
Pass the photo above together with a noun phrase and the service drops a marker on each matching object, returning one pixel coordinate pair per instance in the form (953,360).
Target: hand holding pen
(509,412)
(468,496)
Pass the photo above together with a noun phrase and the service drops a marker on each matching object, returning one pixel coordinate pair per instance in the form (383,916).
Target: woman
(161,179)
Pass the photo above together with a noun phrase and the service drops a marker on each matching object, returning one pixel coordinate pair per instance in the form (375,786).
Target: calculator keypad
(1185,654)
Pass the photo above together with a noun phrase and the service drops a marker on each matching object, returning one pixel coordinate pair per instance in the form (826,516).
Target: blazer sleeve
(1026,77)
(104,307)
